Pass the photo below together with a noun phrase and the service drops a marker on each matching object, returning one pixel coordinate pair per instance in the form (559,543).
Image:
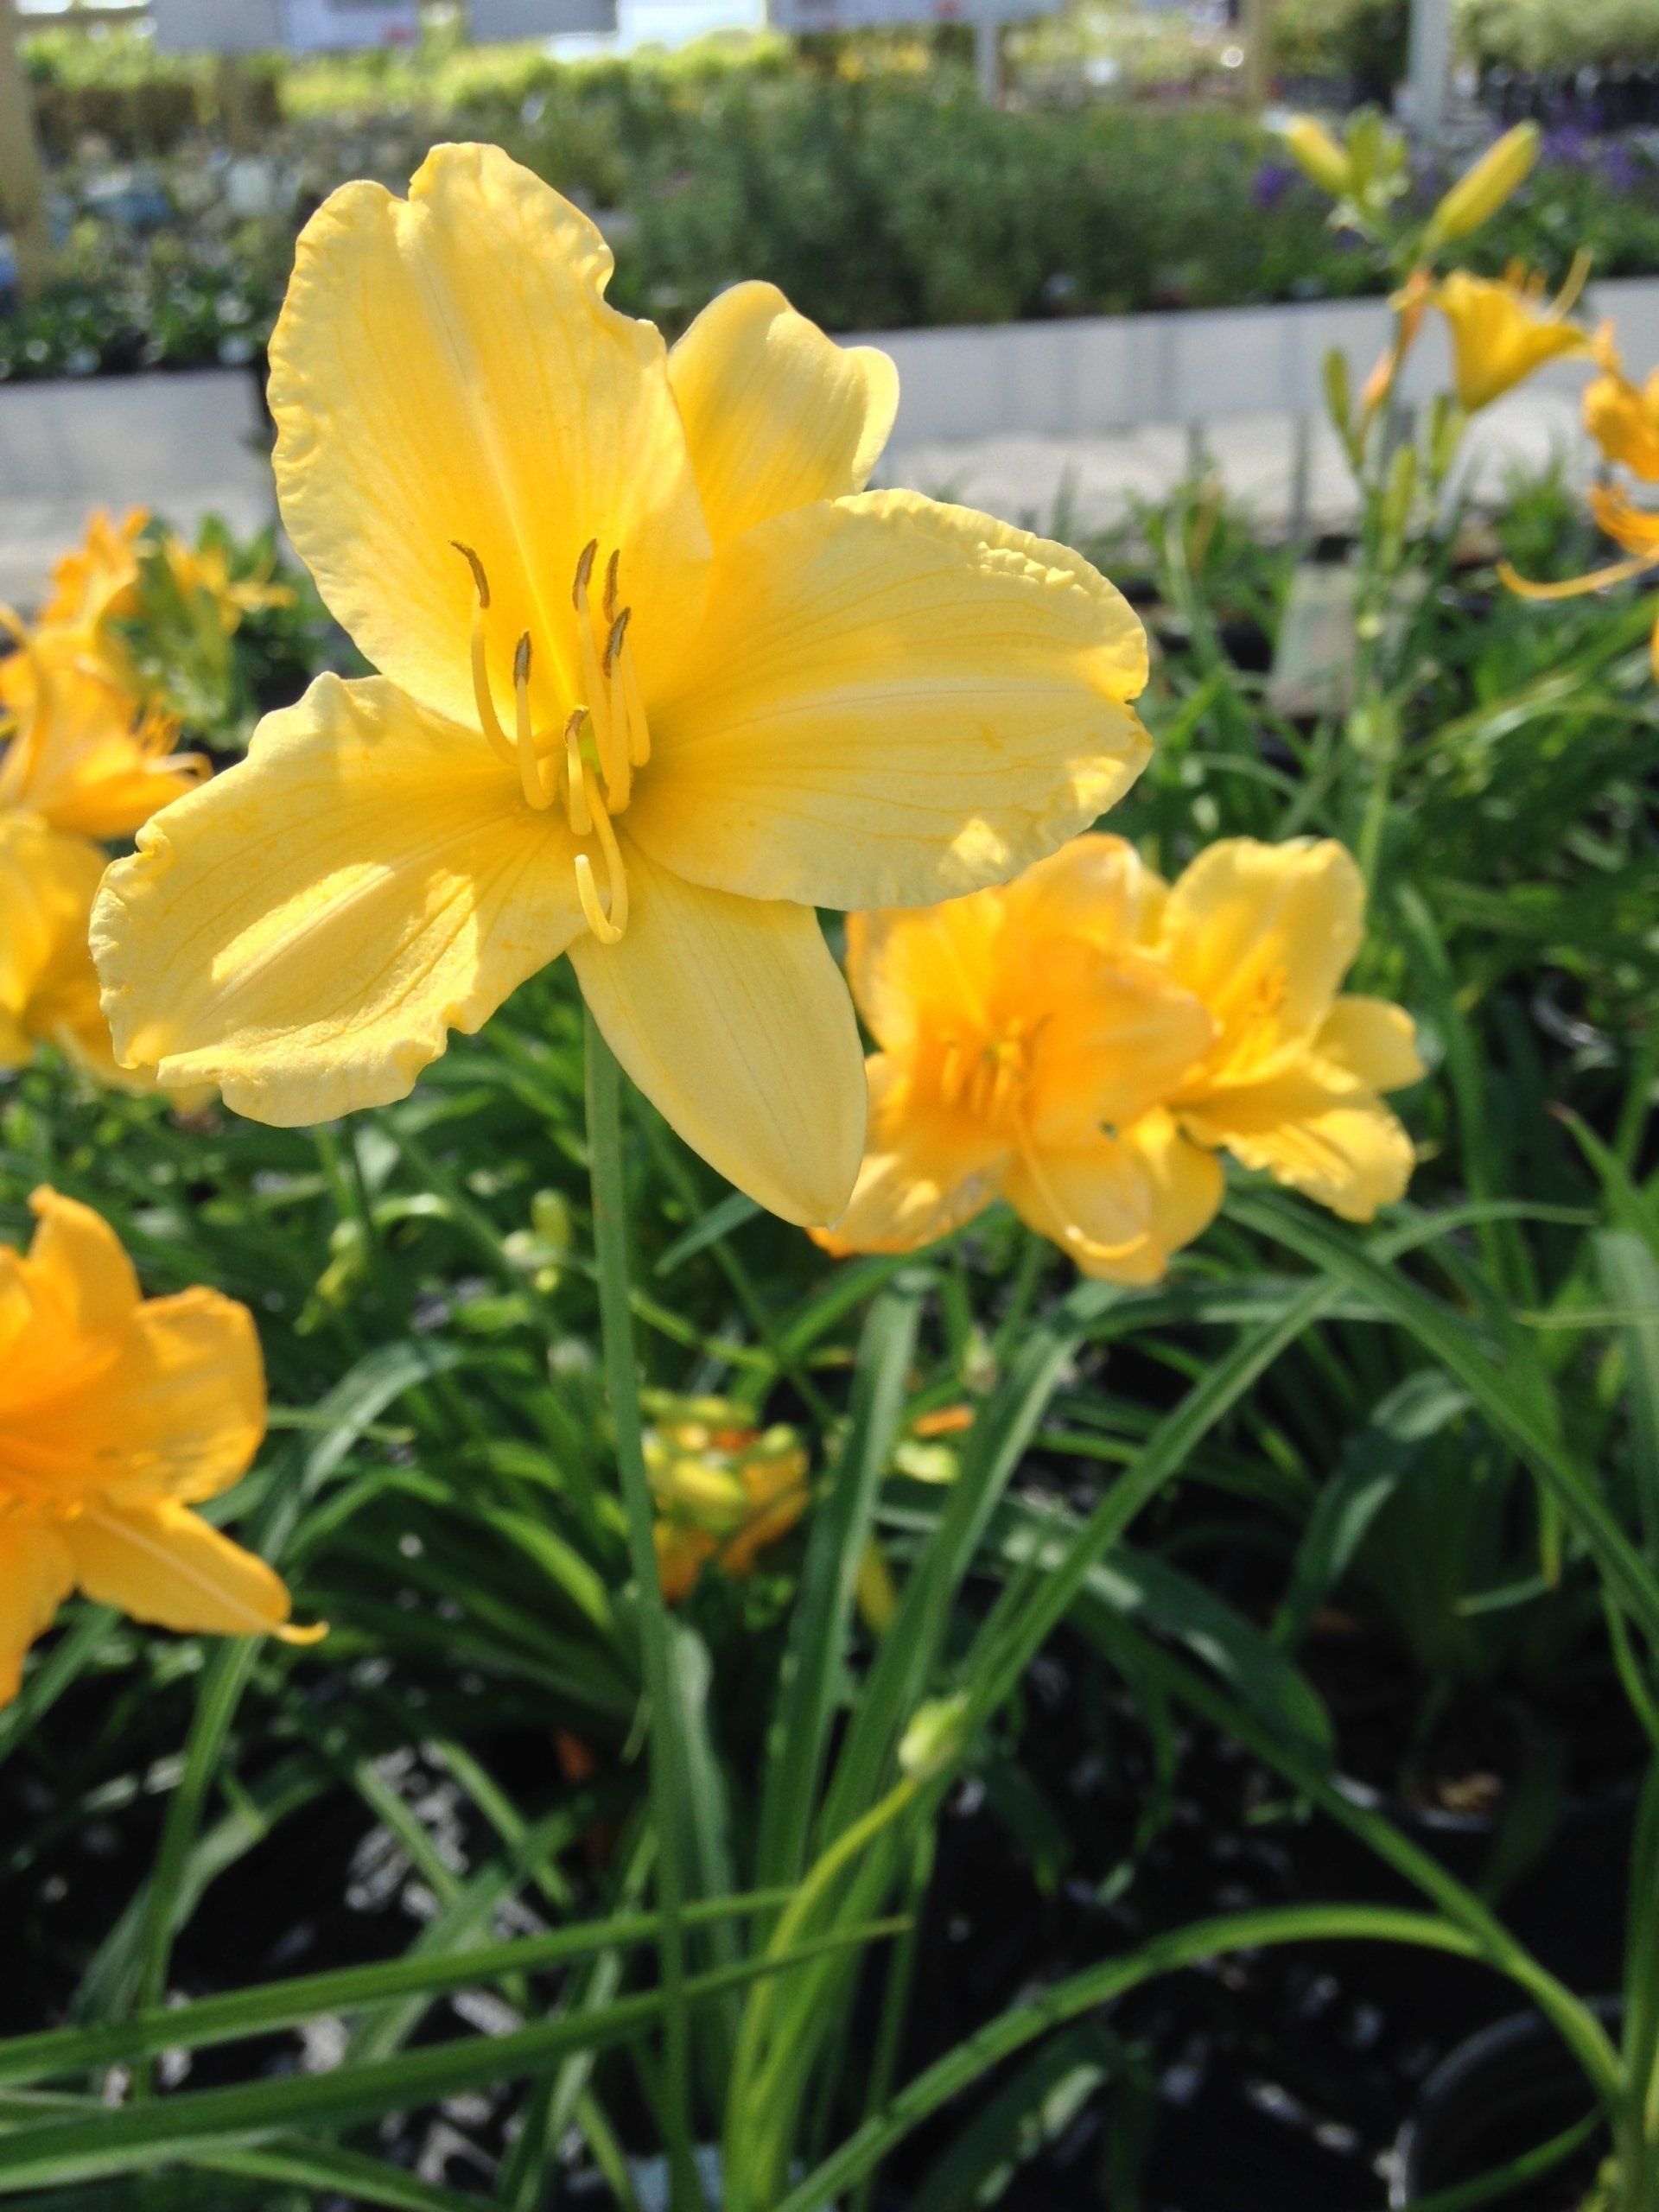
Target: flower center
(586,764)
(985,1078)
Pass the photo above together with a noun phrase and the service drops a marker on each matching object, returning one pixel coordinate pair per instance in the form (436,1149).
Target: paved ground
(189,445)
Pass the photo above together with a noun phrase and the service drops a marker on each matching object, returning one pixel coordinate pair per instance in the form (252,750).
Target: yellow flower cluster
(1083,1042)
(81,759)
(118,1415)
(725,1490)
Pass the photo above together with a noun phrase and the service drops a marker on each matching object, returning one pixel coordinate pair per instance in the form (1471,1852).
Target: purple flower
(1270,183)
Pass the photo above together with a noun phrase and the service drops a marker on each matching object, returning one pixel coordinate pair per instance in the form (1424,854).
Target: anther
(611,567)
(613,643)
(584,570)
(479,576)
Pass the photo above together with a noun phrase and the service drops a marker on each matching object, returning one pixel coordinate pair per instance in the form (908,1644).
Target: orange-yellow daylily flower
(1503,328)
(1263,936)
(725,1490)
(1028,1038)
(48,987)
(657,680)
(1622,417)
(79,750)
(118,1414)
(1083,1041)
(1634,530)
(205,570)
(97,581)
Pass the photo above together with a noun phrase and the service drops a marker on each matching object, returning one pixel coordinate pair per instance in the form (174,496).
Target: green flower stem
(667,1778)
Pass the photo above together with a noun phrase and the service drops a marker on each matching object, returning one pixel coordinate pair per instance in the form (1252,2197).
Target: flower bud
(1318,156)
(1481,190)
(934,1739)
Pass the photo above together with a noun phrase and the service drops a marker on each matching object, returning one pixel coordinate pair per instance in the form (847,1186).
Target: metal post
(23,179)
(1429,76)
(988,52)
(1257,26)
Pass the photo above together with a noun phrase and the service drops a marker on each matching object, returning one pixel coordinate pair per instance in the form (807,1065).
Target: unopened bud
(1318,156)
(1481,191)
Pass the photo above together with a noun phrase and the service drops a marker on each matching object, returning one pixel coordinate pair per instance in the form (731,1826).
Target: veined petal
(1314,1126)
(891,702)
(1120,1206)
(1264,934)
(732,1018)
(924,1174)
(1373,1040)
(80,1264)
(1097,887)
(776,413)
(165,1565)
(36,1575)
(85,755)
(446,368)
(1117,1042)
(304,930)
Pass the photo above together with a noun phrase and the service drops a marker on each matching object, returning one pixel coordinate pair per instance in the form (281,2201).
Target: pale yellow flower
(1504,329)
(657,680)
(1083,1041)
(116,1416)
(48,987)
(80,750)
(725,1490)
(205,571)
(1028,1037)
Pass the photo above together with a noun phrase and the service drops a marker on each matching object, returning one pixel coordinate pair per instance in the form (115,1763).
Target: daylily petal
(47,986)
(1312,1126)
(894,701)
(776,413)
(85,754)
(1264,934)
(304,930)
(732,1017)
(446,368)
(164,1564)
(1097,887)
(179,1410)
(36,1575)
(1121,1038)
(924,1173)
(1120,1206)
(78,1259)
(1373,1040)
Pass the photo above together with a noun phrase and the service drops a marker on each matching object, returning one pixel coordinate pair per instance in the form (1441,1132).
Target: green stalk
(667,1777)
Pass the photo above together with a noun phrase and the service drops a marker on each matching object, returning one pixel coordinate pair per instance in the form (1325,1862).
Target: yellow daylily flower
(97,581)
(1028,1037)
(1263,935)
(658,679)
(1502,330)
(725,1490)
(1622,417)
(81,751)
(1083,1042)
(205,570)
(118,1414)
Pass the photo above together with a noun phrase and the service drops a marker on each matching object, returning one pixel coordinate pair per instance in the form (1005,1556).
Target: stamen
(616,875)
(488,721)
(613,643)
(529,771)
(950,1073)
(602,927)
(584,569)
(611,567)
(576,798)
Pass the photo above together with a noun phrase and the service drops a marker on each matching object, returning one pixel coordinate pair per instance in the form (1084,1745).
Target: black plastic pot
(1505,2092)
